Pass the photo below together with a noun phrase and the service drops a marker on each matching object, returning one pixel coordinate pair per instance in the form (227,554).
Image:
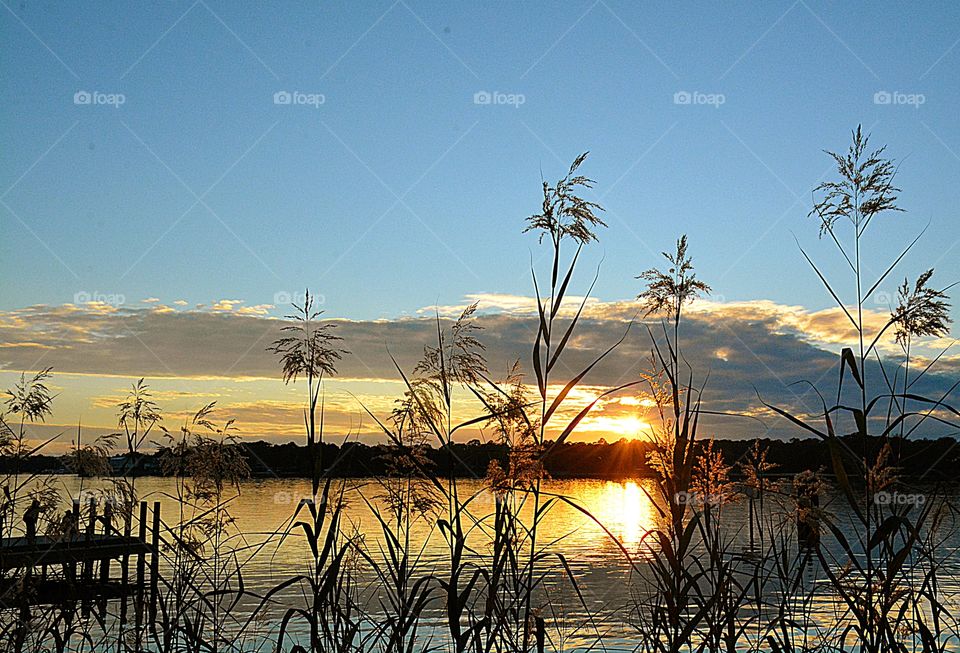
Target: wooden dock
(17,552)
(52,570)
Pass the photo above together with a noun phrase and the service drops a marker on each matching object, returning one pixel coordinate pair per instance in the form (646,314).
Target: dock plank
(18,552)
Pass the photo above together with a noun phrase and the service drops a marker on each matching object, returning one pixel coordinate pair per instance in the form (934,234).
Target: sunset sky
(161,202)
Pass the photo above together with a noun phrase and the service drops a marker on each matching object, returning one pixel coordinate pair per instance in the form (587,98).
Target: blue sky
(399,191)
(149,168)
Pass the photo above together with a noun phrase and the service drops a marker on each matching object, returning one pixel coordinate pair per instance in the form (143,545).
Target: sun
(630,427)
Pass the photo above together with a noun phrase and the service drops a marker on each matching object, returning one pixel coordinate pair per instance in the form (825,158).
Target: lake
(610,563)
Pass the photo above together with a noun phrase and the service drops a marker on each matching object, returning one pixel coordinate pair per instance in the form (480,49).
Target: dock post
(75,530)
(155,561)
(105,563)
(91,525)
(124,576)
(125,569)
(88,564)
(141,567)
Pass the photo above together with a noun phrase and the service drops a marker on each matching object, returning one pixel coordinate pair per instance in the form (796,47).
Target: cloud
(226,305)
(746,348)
(505,303)
(110,401)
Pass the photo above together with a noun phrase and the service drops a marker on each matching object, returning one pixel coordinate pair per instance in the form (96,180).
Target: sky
(175,173)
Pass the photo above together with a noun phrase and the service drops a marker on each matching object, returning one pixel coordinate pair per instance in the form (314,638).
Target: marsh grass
(810,577)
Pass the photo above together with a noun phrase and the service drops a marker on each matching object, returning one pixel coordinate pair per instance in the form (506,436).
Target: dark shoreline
(928,461)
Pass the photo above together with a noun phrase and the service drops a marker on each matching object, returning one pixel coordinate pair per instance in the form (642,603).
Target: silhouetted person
(68,529)
(30,518)
(68,525)
(6,507)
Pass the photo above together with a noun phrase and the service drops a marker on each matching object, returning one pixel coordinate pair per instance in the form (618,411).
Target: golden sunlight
(626,510)
(619,426)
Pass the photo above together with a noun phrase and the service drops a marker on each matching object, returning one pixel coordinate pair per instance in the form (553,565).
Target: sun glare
(624,426)
(628,512)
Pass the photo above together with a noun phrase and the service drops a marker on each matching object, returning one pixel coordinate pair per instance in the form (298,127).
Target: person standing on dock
(6,506)
(68,526)
(30,518)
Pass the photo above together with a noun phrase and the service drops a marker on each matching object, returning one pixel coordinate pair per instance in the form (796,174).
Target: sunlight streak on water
(627,512)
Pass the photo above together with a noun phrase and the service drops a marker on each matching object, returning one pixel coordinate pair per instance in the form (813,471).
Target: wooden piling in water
(91,525)
(155,561)
(540,633)
(75,528)
(125,568)
(104,569)
(88,564)
(105,564)
(141,567)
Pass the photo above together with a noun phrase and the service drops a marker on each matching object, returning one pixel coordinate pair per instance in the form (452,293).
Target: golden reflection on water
(623,507)
(626,510)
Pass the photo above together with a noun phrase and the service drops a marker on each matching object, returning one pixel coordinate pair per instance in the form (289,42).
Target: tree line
(921,459)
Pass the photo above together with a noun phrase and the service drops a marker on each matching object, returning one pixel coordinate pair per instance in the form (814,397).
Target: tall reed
(869,566)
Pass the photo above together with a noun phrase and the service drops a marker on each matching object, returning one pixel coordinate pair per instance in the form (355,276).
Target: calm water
(609,583)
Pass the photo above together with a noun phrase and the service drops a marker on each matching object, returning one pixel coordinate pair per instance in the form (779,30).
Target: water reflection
(611,586)
(625,509)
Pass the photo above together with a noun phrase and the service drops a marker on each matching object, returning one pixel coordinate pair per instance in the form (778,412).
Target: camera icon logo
(282,97)
(682,97)
(882,97)
(82,297)
(482,97)
(82,97)
(282,297)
